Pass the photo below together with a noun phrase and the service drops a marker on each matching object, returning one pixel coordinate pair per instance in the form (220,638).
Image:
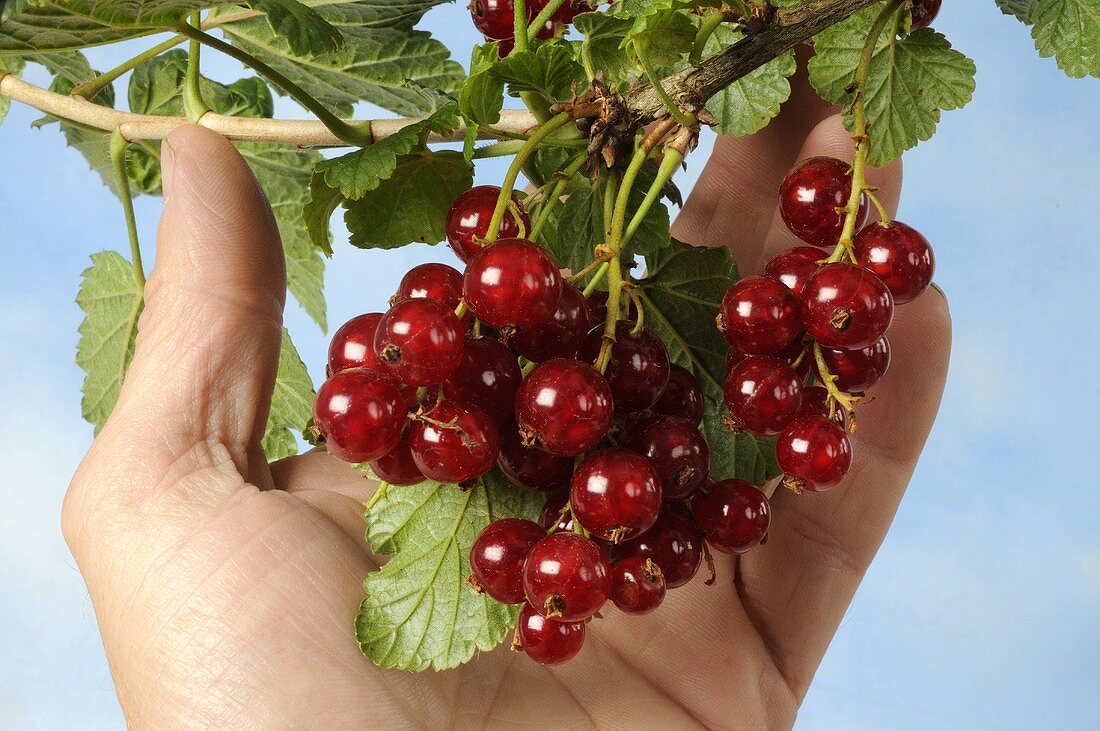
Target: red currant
(760,316)
(678,452)
(845,306)
(639,368)
(858,370)
(794,266)
(810,199)
(498,554)
(924,12)
(638,586)
(489,376)
(682,396)
(529,467)
(597,307)
(616,494)
(547,641)
(899,255)
(734,356)
(398,466)
(567,577)
(564,406)
(814,454)
(561,336)
(419,342)
(353,345)
(495,19)
(454,442)
(431,281)
(468,220)
(763,395)
(513,282)
(360,414)
(733,514)
(815,402)
(674,543)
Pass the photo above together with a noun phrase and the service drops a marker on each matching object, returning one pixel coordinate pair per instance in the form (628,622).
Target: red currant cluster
(820,316)
(496,19)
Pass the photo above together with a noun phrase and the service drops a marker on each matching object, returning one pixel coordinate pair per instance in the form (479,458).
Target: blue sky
(981,610)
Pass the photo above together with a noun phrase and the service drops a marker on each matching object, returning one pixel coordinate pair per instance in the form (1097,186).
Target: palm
(226,589)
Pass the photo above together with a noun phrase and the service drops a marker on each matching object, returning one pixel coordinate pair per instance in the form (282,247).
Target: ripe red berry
(616,494)
(566,577)
(513,282)
(454,442)
(763,395)
(468,220)
(733,357)
(794,266)
(814,454)
(529,467)
(639,368)
(733,514)
(815,402)
(548,641)
(638,585)
(487,375)
(559,337)
(597,307)
(924,12)
(682,396)
(677,450)
(810,197)
(760,316)
(858,370)
(846,306)
(431,281)
(899,255)
(352,345)
(360,414)
(564,406)
(495,19)
(419,342)
(674,543)
(398,466)
(551,517)
(498,554)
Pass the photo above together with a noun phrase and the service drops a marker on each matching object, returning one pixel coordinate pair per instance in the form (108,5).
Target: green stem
(669,163)
(118,161)
(597,278)
(710,23)
(536,25)
(678,114)
(379,494)
(353,134)
(556,192)
(519,24)
(193,104)
(90,89)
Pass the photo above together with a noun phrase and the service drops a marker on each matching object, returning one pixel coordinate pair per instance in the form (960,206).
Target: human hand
(226,588)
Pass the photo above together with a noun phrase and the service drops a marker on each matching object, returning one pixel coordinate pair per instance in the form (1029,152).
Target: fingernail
(167,166)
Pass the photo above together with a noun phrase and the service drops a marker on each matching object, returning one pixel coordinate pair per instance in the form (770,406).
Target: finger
(319,470)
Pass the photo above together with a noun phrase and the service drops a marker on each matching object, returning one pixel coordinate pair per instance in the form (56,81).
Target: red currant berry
(419,342)
(353,345)
(498,554)
(638,585)
(360,414)
(815,402)
(639,368)
(554,517)
(495,19)
(763,395)
(547,641)
(513,282)
(810,197)
(678,452)
(454,442)
(561,336)
(398,466)
(845,306)
(794,266)
(924,12)
(564,406)
(468,220)
(760,316)
(733,357)
(682,396)
(489,376)
(566,577)
(529,467)
(431,281)
(733,514)
(814,454)
(616,494)
(674,543)
(858,370)
(900,256)
(597,307)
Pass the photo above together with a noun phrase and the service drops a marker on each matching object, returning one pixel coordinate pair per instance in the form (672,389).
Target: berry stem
(596,279)
(669,163)
(884,216)
(378,496)
(118,161)
(193,104)
(540,20)
(556,192)
(519,16)
(836,396)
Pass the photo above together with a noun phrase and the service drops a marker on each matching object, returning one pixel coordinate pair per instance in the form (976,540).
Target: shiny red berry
(431,281)
(763,395)
(419,342)
(548,641)
(924,12)
(352,345)
(498,554)
(487,376)
(734,356)
(846,306)
(495,19)
(814,454)
(454,442)
(677,450)
(682,396)
(529,467)
(468,220)
(513,282)
(794,266)
(616,494)
(760,316)
(567,577)
(398,466)
(639,368)
(674,543)
(858,370)
(810,197)
(559,337)
(733,514)
(360,414)
(815,402)
(564,407)
(597,307)
(900,256)
(638,585)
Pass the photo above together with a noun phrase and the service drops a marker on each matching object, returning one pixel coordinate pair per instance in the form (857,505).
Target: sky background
(981,610)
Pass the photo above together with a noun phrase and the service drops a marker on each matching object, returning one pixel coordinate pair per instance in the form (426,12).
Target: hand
(225,588)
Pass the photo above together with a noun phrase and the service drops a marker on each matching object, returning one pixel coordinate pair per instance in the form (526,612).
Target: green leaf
(910,81)
(291,403)
(482,96)
(411,205)
(682,294)
(418,611)
(665,36)
(601,48)
(549,70)
(305,31)
(1069,30)
(318,210)
(750,103)
(8,65)
(111,300)
(1022,9)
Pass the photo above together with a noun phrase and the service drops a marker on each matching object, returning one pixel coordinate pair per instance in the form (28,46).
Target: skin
(225,588)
